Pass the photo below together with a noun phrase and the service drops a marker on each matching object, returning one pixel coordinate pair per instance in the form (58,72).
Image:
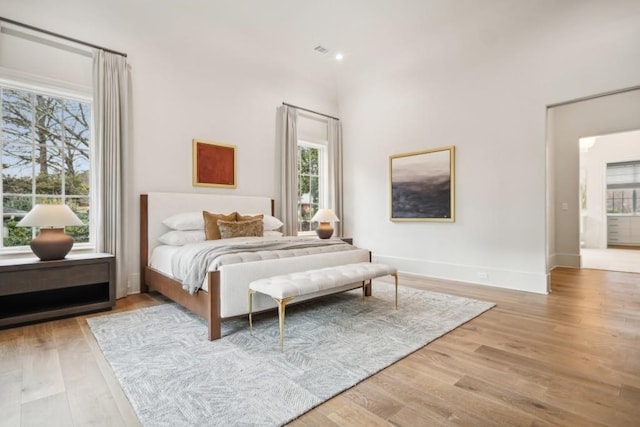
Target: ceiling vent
(321,49)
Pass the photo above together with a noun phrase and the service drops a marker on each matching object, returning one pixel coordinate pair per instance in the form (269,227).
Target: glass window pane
(48,125)
(80,206)
(48,169)
(303,191)
(620,201)
(304,159)
(313,161)
(314,195)
(17,116)
(77,172)
(76,119)
(15,208)
(16,171)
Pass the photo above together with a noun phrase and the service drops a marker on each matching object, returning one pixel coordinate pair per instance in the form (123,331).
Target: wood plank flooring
(571,358)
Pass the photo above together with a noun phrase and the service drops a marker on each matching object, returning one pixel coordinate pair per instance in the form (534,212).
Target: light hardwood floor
(571,358)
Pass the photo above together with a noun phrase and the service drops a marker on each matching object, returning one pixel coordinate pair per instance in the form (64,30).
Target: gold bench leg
(281,308)
(395,276)
(251,292)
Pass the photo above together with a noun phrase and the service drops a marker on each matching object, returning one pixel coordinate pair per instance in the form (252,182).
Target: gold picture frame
(422,185)
(214,164)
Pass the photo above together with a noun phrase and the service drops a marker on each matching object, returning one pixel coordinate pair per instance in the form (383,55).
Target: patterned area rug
(173,376)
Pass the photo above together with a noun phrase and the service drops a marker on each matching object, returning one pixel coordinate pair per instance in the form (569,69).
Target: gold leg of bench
(251,292)
(281,308)
(395,276)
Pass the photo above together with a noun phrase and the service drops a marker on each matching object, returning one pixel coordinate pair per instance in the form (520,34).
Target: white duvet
(190,263)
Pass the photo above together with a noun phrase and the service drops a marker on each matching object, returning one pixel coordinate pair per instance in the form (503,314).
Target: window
(312,182)
(623,188)
(45,142)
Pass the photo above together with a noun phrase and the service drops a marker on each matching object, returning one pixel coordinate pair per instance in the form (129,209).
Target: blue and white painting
(422,185)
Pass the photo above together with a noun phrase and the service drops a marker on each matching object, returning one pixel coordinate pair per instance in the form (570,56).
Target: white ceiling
(283,33)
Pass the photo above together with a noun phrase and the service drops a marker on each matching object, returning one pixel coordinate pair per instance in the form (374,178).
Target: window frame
(10,79)
(323,176)
(633,186)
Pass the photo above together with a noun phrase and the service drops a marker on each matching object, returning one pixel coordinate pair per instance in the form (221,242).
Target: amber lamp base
(51,244)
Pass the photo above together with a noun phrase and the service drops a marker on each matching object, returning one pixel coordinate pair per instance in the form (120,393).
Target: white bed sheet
(161,258)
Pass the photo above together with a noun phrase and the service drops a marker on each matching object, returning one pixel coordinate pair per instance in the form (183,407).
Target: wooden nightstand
(32,290)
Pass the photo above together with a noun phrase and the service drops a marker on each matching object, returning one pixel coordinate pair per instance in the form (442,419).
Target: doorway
(607,115)
(609,205)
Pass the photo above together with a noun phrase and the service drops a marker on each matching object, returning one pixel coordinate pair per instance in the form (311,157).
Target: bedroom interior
(512,86)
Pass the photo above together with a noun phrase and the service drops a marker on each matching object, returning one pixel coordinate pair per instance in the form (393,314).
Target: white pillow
(268,222)
(185,221)
(269,233)
(195,221)
(271,223)
(182,237)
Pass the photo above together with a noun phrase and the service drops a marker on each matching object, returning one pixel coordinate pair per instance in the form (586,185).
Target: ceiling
(283,33)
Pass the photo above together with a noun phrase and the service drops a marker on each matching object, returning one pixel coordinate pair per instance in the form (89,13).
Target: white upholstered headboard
(163,205)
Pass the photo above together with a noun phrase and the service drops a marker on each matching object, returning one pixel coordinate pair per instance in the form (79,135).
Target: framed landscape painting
(422,185)
(214,164)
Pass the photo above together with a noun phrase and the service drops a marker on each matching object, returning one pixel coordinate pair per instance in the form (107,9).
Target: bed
(224,292)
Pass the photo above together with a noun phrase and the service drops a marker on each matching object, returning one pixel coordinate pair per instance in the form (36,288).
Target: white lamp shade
(54,216)
(325,215)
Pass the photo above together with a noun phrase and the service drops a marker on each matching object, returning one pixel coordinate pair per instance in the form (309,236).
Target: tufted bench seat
(284,288)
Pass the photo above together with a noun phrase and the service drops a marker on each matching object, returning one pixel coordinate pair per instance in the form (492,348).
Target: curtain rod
(50,33)
(310,111)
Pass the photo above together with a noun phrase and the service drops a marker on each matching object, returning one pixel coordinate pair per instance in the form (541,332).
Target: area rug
(174,376)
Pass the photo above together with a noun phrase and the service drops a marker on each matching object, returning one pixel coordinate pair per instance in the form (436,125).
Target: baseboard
(508,279)
(565,260)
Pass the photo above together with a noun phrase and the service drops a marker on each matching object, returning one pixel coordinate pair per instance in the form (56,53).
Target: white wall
(480,78)
(599,116)
(180,92)
(490,102)
(613,148)
(21,55)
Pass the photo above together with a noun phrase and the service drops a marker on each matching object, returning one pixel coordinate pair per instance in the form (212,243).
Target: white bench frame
(301,277)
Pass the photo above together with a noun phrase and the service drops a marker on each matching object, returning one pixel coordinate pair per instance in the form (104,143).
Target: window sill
(24,252)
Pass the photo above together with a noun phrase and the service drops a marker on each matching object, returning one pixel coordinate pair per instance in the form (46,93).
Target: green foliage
(308,188)
(21,236)
(17,236)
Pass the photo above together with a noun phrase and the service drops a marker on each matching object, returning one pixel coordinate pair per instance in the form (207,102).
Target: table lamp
(52,242)
(325,217)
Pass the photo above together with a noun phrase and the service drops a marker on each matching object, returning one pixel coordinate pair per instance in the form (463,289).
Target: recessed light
(339,56)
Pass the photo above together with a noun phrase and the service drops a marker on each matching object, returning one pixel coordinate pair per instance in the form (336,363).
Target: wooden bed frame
(204,303)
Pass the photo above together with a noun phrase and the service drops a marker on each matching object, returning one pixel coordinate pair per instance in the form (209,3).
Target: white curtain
(287,136)
(110,100)
(335,171)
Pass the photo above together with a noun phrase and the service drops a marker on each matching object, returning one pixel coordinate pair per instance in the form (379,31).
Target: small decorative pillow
(185,221)
(269,222)
(249,217)
(182,237)
(211,230)
(229,229)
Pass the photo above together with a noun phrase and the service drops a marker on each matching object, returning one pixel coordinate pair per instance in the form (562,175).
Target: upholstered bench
(284,288)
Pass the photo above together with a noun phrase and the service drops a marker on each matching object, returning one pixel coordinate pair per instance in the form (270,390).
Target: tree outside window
(45,145)
(311,158)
